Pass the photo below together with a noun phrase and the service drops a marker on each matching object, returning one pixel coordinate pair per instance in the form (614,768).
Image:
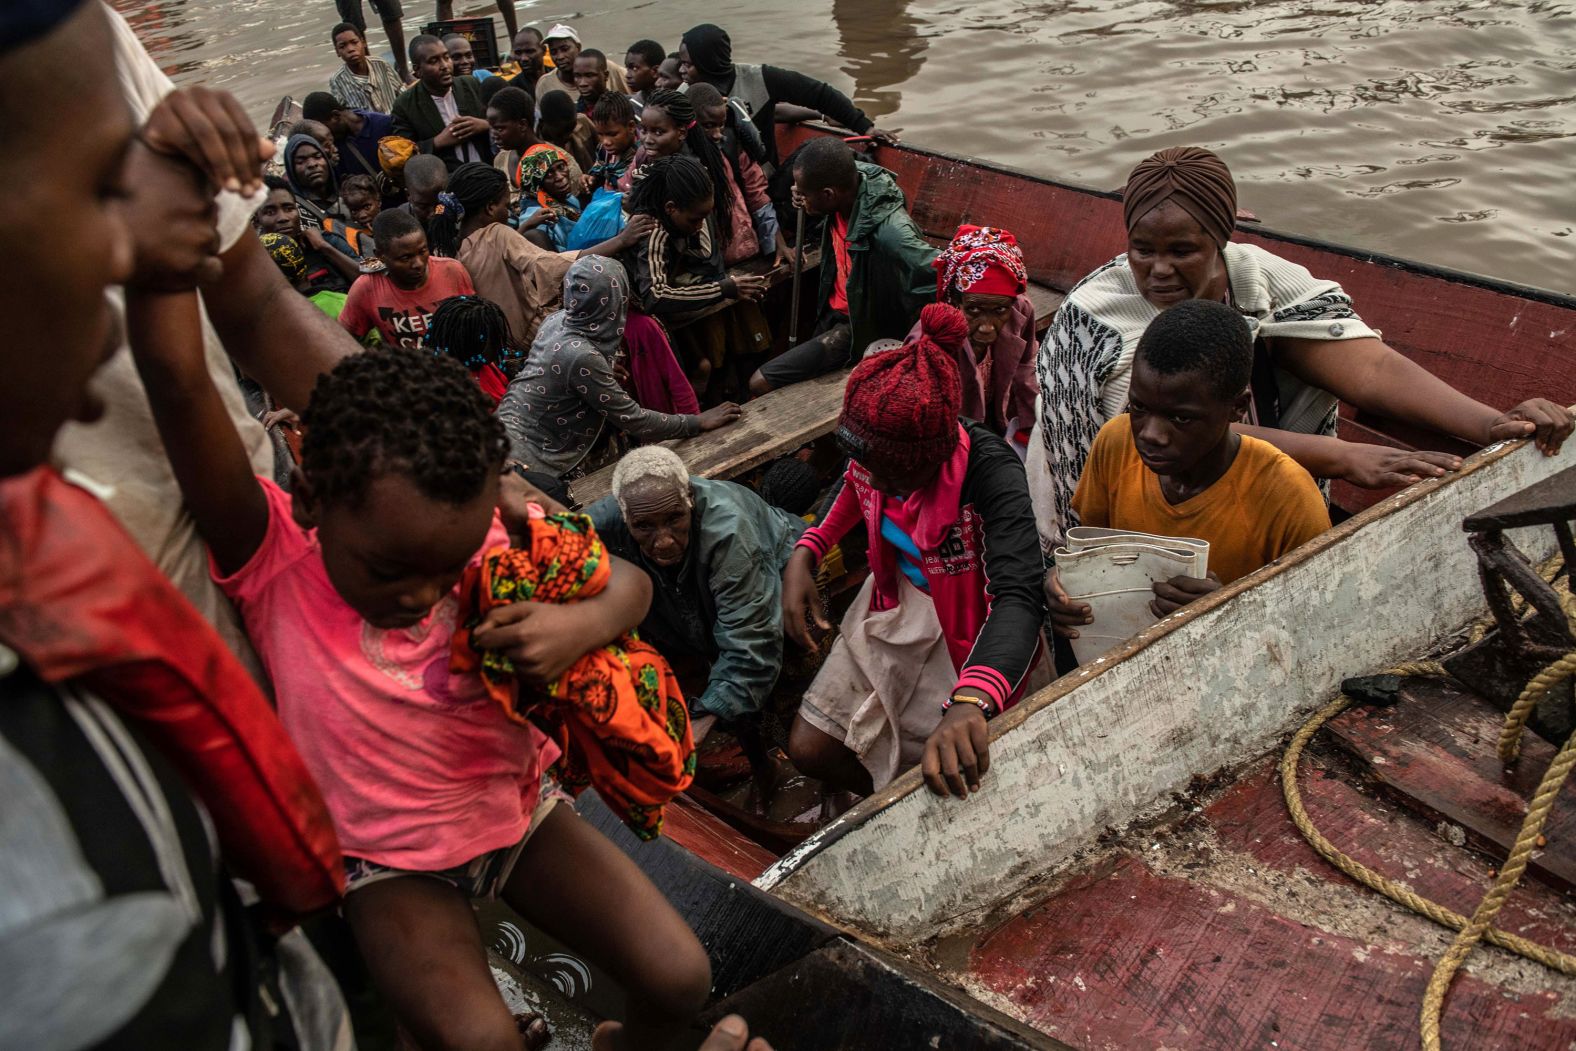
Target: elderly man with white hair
(715,552)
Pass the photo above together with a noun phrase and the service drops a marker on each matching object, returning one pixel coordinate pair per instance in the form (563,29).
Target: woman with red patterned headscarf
(982,274)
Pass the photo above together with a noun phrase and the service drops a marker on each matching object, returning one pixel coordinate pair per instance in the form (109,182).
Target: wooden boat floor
(1222,928)
(708,837)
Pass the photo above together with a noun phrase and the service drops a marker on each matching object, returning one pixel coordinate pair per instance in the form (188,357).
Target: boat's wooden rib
(1210,687)
(1434,749)
(773,425)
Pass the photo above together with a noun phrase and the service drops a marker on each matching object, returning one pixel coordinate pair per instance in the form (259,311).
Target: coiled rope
(1480,925)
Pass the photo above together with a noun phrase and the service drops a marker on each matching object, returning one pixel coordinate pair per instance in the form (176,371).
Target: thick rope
(1480,926)
(1509,876)
(1396,892)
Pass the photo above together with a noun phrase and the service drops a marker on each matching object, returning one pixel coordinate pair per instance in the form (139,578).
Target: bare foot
(534,1029)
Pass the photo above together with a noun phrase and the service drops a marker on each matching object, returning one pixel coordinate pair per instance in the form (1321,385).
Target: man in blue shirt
(356,132)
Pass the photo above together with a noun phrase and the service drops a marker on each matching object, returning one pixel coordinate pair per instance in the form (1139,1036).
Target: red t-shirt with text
(401,315)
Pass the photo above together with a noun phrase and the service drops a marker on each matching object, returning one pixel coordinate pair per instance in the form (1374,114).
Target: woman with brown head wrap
(1311,349)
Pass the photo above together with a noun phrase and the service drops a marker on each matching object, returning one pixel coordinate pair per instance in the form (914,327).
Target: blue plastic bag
(600,220)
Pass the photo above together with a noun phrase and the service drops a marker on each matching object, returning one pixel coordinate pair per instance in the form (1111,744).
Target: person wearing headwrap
(706,57)
(981,272)
(522,278)
(1311,349)
(945,633)
(544,177)
(565,409)
(715,552)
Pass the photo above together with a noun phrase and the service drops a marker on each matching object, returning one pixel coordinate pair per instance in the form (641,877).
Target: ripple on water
(1382,124)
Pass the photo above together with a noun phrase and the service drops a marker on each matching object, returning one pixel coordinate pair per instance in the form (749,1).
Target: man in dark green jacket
(443,114)
(876,271)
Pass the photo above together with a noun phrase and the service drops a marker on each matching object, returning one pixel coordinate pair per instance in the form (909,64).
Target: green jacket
(889,273)
(723,603)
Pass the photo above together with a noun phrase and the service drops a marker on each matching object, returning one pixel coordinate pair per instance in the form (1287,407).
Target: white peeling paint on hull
(1207,689)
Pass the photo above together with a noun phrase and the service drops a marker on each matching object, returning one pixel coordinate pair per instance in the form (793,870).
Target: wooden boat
(1128,876)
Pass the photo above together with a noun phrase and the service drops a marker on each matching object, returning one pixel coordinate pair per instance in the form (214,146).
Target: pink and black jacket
(974,527)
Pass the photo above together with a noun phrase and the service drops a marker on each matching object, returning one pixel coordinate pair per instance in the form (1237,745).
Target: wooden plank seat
(760,266)
(771,426)
(776,424)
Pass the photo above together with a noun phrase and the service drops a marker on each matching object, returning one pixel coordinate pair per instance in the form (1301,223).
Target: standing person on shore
(367,82)
(642,62)
(706,57)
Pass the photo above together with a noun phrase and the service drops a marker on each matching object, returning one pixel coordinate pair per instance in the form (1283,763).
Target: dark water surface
(1441,130)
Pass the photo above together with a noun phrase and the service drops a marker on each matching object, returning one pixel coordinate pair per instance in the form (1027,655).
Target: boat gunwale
(911,780)
(786,134)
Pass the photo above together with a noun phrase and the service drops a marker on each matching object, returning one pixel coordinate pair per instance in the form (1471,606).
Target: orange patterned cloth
(617,714)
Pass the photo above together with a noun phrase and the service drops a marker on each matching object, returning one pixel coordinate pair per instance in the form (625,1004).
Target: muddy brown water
(1439,130)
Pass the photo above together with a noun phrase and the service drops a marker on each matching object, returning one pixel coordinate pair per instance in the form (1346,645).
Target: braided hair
(472,187)
(389,409)
(678,179)
(472,331)
(699,145)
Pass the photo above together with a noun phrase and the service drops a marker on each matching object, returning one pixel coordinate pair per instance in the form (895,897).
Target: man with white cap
(563,44)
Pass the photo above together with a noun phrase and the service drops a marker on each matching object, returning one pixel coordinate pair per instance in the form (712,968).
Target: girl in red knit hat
(946,631)
(982,273)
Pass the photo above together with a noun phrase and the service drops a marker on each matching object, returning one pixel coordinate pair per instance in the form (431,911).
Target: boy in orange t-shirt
(1173,466)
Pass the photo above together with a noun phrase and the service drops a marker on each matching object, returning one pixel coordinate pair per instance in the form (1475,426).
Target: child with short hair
(641,63)
(349,590)
(398,303)
(360,196)
(511,113)
(618,139)
(1171,465)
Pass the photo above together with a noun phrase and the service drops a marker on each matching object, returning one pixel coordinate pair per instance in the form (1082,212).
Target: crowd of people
(370,667)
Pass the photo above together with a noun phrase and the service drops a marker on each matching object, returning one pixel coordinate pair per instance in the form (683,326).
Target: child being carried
(348,588)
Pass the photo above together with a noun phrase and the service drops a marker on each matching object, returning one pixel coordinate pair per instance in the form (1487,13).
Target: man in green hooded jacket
(876,269)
